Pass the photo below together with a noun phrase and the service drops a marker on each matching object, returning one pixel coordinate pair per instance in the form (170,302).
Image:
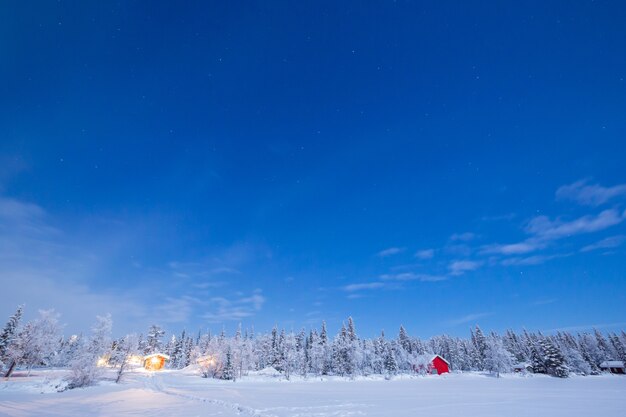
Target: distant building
(433,365)
(439,365)
(522,367)
(155,362)
(614,367)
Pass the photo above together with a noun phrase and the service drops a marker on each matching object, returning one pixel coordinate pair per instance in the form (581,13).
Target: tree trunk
(10,370)
(119,374)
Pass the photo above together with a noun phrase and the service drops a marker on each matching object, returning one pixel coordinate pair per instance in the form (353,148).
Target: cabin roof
(440,357)
(612,364)
(154,355)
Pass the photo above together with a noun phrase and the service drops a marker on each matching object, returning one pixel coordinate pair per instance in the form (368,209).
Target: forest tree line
(40,343)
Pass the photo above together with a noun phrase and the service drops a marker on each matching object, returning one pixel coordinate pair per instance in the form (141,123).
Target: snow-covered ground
(180,394)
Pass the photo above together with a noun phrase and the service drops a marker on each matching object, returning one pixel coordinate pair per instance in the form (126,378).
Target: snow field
(184,393)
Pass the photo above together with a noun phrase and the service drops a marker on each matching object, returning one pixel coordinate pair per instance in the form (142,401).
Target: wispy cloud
(224,309)
(70,270)
(590,194)
(607,243)
(364,286)
(519,248)
(425,254)
(38,266)
(390,251)
(175,310)
(545,228)
(530,260)
(469,318)
(409,276)
(462,266)
(354,296)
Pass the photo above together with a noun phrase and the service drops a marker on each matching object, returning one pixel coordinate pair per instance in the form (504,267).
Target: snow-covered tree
(618,347)
(497,358)
(480,347)
(553,359)
(9,332)
(229,372)
(153,340)
(123,353)
(389,360)
(317,354)
(7,338)
(404,340)
(37,342)
(85,369)
(589,350)
(343,352)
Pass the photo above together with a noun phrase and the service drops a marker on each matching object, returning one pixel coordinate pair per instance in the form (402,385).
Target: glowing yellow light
(155,360)
(135,360)
(102,362)
(206,361)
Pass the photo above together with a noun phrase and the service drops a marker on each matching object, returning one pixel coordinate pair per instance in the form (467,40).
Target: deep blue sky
(426,163)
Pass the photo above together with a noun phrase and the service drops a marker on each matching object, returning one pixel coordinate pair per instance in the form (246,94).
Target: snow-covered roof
(154,355)
(440,357)
(612,364)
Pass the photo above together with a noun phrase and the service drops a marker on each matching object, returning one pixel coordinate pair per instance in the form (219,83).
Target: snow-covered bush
(85,369)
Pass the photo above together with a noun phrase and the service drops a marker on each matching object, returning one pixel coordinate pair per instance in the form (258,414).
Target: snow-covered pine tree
(8,336)
(605,348)
(290,355)
(378,360)
(618,347)
(228,372)
(274,359)
(515,347)
(404,341)
(351,330)
(480,347)
(177,352)
(582,348)
(389,360)
(465,358)
(553,359)
(537,361)
(38,341)
(301,364)
(317,354)
(169,349)
(153,340)
(497,358)
(591,352)
(340,353)
(368,357)
(307,352)
(326,353)
(9,332)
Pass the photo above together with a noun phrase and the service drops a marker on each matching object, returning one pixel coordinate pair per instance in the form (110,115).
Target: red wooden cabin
(439,365)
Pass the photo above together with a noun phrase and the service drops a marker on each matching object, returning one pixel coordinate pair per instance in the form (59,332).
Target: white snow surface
(184,393)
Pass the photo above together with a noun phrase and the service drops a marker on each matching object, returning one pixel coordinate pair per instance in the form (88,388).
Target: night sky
(204,164)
